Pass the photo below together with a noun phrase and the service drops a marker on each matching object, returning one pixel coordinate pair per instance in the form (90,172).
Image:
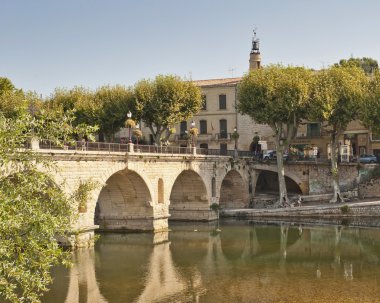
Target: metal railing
(154,149)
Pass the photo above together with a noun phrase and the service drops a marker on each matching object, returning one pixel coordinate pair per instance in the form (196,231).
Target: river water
(237,261)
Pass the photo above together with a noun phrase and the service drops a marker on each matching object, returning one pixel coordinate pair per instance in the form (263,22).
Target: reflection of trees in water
(238,262)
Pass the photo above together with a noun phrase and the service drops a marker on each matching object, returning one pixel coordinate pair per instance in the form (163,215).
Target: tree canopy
(337,97)
(33,209)
(369,65)
(165,101)
(277,96)
(12,100)
(370,110)
(105,107)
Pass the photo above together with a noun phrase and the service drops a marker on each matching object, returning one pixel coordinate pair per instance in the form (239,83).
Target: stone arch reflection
(83,286)
(124,203)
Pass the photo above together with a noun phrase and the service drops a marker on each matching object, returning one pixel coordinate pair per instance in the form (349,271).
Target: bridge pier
(84,238)
(130,223)
(192,214)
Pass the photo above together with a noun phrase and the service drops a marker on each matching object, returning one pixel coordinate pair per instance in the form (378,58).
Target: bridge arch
(125,202)
(267,181)
(233,191)
(188,198)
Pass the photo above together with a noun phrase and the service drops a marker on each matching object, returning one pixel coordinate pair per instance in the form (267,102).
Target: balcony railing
(204,137)
(223,136)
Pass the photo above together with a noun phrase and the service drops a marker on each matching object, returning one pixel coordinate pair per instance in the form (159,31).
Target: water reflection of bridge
(184,265)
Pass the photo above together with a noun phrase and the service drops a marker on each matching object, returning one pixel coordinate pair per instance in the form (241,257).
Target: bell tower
(254,57)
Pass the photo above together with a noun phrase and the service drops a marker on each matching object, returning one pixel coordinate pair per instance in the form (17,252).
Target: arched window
(160,191)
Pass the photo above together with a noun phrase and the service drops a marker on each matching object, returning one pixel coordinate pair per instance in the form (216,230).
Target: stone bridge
(136,191)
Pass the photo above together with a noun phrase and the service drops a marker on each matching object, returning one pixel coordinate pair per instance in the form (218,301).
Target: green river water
(237,261)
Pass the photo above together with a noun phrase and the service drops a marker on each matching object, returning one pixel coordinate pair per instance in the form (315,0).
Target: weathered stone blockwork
(370,189)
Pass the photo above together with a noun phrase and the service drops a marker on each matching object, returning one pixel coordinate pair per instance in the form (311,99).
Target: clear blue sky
(47,44)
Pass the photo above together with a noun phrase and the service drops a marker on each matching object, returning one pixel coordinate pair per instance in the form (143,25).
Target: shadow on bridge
(124,203)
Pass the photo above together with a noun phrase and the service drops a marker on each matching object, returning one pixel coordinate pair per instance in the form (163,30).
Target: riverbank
(368,209)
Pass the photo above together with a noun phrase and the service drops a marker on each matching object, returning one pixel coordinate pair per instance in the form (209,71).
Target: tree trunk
(334,169)
(284,201)
(156,134)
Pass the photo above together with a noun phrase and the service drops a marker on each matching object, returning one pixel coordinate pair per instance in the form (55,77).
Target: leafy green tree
(106,107)
(277,96)
(369,65)
(115,102)
(33,210)
(164,102)
(12,100)
(78,99)
(370,110)
(337,96)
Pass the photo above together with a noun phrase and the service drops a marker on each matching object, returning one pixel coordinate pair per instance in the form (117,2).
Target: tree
(12,100)
(276,96)
(164,102)
(115,103)
(33,210)
(106,107)
(369,65)
(78,99)
(370,110)
(337,95)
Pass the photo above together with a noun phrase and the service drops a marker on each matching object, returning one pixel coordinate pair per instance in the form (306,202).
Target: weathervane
(255,42)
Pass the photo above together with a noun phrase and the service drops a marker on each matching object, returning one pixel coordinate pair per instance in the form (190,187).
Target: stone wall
(369,189)
(363,209)
(320,178)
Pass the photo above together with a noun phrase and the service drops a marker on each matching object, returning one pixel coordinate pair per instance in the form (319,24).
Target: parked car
(272,155)
(367,159)
(269,155)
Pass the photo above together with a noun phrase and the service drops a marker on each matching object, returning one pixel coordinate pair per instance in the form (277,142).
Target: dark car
(367,159)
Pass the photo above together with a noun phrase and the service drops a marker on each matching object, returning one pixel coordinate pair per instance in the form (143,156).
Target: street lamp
(235,136)
(137,137)
(192,134)
(129,115)
(235,131)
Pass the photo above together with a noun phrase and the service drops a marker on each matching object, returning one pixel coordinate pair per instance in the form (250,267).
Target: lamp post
(192,134)
(235,136)
(129,115)
(137,137)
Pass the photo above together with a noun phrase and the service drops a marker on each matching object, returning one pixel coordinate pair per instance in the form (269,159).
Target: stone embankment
(336,210)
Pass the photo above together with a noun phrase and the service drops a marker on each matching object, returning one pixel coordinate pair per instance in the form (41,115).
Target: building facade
(218,120)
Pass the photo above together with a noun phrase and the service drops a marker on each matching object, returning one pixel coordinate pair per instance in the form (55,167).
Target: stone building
(218,120)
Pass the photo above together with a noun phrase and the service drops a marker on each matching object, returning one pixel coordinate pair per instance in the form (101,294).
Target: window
(222,102)
(223,128)
(313,130)
(204,102)
(375,136)
(203,145)
(183,129)
(223,149)
(203,127)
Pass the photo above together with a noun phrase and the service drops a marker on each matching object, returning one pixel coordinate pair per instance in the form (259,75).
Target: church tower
(254,57)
